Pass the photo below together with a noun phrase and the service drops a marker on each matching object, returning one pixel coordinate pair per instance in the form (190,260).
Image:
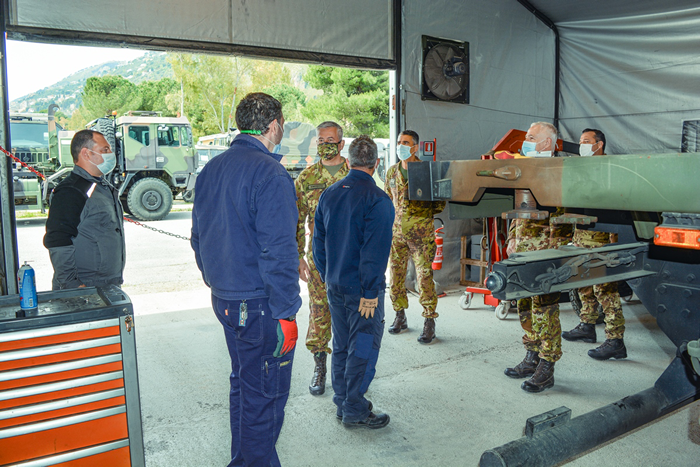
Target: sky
(32,66)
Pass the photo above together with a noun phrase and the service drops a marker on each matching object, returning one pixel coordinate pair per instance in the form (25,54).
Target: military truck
(299,149)
(156,160)
(43,147)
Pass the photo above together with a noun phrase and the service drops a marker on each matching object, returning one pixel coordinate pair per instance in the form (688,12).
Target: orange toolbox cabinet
(69,392)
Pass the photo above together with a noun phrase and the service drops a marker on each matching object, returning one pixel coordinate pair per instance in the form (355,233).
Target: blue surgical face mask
(109,161)
(528,146)
(278,146)
(403,152)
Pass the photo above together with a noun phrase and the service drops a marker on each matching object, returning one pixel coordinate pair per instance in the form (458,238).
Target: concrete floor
(448,402)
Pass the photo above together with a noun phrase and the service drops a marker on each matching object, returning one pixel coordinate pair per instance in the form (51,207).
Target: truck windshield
(29,135)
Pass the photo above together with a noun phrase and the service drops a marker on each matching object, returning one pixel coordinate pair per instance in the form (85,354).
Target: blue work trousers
(259,381)
(356,343)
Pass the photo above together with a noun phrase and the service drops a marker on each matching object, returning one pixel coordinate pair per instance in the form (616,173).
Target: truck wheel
(188,196)
(150,199)
(576,305)
(106,127)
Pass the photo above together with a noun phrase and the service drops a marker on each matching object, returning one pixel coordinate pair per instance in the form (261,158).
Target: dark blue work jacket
(244,225)
(352,235)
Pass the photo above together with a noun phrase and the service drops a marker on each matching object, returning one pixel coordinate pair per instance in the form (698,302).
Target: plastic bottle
(27,287)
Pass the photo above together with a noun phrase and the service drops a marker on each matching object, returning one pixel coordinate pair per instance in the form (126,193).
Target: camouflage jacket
(533,235)
(312,181)
(409,214)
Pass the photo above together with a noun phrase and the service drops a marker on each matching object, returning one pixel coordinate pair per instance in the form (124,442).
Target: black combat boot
(611,348)
(582,332)
(400,324)
(318,381)
(428,334)
(542,379)
(525,368)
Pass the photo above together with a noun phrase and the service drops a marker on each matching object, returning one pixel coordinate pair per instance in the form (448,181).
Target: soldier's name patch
(315,186)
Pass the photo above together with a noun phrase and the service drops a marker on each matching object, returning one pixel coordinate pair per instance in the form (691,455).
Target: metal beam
(569,267)
(8,227)
(633,182)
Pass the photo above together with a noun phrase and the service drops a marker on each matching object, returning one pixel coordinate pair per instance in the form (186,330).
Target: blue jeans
(356,343)
(259,381)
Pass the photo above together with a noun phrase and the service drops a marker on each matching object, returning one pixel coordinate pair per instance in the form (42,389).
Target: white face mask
(109,161)
(403,152)
(585,150)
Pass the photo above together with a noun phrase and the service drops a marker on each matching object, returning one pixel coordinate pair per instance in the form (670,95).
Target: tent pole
(548,22)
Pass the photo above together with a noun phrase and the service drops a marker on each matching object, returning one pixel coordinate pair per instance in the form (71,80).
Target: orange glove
(287,335)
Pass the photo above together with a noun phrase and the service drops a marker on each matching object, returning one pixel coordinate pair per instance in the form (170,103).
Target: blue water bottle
(27,287)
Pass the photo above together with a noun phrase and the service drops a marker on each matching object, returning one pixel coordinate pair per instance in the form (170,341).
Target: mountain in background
(66,93)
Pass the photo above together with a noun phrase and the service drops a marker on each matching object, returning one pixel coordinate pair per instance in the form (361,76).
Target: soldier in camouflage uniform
(311,182)
(414,236)
(539,315)
(592,142)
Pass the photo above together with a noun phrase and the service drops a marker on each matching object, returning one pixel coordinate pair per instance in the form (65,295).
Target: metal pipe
(579,435)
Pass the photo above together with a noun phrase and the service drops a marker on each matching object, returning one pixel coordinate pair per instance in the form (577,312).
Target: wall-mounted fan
(445,70)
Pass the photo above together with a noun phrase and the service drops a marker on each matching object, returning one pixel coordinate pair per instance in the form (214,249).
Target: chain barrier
(156,230)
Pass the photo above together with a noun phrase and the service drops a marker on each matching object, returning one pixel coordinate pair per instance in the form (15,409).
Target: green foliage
(358,100)
(102,96)
(213,86)
(154,95)
(291,98)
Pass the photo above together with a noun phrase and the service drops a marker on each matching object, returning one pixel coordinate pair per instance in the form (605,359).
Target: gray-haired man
(352,239)
(330,168)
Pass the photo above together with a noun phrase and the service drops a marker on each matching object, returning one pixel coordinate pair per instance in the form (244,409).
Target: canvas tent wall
(643,88)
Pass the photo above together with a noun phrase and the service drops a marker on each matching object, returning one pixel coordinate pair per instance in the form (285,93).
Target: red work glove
(287,335)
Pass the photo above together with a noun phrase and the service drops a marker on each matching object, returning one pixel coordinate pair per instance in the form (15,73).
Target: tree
(357,99)
(291,98)
(212,86)
(154,95)
(107,94)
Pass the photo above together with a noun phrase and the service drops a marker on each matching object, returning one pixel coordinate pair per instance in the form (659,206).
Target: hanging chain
(157,230)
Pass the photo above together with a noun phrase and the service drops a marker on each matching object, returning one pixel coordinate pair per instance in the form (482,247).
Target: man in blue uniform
(244,225)
(351,245)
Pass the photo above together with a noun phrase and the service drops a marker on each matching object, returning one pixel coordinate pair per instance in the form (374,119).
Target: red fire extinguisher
(437,261)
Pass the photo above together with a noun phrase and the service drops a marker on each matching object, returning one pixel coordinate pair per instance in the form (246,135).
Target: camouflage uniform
(605,294)
(539,315)
(414,235)
(311,182)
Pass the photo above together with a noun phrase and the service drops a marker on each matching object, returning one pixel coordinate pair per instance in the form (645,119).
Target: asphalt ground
(449,402)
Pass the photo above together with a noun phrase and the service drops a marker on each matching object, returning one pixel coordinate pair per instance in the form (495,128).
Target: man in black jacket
(85,228)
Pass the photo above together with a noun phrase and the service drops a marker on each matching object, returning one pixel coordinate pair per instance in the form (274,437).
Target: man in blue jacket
(244,224)
(351,245)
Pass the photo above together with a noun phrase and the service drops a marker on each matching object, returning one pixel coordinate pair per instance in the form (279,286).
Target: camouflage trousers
(609,299)
(539,318)
(422,251)
(319,334)
(605,294)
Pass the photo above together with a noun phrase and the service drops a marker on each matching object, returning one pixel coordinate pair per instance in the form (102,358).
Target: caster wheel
(465,300)
(502,310)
